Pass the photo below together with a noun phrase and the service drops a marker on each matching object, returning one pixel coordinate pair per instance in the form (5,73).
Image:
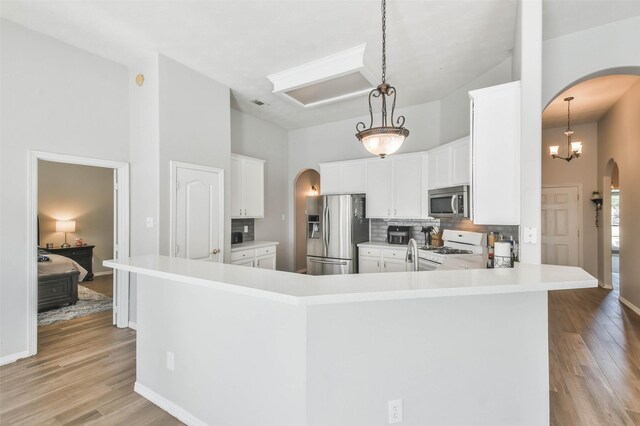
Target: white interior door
(560,226)
(198,212)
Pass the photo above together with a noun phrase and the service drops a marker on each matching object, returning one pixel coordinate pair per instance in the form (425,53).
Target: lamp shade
(383,144)
(554,150)
(576,147)
(65,226)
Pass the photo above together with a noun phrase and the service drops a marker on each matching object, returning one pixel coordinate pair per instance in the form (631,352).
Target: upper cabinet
(394,187)
(343,177)
(247,187)
(495,150)
(449,164)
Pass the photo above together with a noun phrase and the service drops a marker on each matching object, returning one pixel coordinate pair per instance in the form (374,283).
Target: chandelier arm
(392,91)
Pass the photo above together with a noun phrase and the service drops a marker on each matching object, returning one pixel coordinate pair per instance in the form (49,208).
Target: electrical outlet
(171,361)
(284,218)
(246,229)
(395,411)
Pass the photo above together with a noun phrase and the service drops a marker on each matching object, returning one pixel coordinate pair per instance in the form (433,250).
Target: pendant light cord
(384,41)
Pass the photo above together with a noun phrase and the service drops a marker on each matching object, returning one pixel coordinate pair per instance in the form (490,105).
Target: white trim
(170,407)
(133,325)
(605,286)
(629,305)
(174,165)
(8,359)
(580,216)
(121,299)
(102,274)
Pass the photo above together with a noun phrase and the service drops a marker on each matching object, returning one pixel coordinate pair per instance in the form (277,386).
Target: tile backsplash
(378,227)
(237,225)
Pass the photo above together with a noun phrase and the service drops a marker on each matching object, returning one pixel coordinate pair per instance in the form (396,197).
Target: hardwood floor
(84,373)
(85,369)
(102,284)
(594,359)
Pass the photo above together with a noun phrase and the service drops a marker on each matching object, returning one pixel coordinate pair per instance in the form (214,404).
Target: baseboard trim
(629,305)
(102,274)
(168,406)
(133,325)
(606,287)
(301,271)
(13,357)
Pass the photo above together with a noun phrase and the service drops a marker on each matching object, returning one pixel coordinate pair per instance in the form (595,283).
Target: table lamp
(65,226)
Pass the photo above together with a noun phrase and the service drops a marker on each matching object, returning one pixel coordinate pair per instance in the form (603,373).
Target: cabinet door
(330,178)
(439,168)
(394,265)
(236,188)
(369,264)
(253,184)
(461,162)
(266,262)
(353,177)
(378,172)
(246,262)
(407,186)
(495,142)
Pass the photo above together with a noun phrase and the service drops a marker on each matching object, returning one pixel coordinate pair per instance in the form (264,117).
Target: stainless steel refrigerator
(335,225)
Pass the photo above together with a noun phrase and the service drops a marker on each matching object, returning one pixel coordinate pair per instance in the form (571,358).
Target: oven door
(427,265)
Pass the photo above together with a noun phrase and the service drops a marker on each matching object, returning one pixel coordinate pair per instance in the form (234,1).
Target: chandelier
(574,149)
(387,138)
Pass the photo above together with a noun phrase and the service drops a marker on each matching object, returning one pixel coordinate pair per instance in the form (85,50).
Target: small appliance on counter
(502,255)
(398,235)
(236,238)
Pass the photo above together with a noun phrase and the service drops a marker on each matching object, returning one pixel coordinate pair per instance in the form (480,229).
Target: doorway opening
(307,183)
(62,222)
(615,228)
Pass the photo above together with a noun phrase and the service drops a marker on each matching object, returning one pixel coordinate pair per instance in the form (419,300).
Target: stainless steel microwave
(449,202)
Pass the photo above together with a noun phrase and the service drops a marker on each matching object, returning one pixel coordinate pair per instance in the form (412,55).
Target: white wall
(581,171)
(55,98)
(194,128)
(455,108)
(573,57)
(256,138)
(80,193)
(619,139)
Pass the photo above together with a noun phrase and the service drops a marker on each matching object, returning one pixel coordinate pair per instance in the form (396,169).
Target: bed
(58,280)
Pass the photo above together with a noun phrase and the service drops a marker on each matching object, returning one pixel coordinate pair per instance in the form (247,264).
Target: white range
(461,250)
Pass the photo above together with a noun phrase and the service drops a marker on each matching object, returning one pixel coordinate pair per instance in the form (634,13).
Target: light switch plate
(531,235)
(246,229)
(150,222)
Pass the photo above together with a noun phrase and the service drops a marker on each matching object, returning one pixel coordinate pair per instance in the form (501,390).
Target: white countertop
(253,245)
(301,289)
(383,244)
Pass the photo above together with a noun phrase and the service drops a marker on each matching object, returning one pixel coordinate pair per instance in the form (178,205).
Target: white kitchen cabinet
(247,187)
(343,177)
(372,259)
(449,164)
(495,153)
(261,257)
(394,187)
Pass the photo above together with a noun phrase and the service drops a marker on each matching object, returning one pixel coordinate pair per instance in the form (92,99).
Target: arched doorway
(306,183)
(611,226)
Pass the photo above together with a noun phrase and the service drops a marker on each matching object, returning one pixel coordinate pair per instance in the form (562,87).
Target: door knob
(215,251)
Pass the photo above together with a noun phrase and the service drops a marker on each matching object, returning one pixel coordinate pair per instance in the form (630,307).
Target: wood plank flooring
(102,284)
(85,369)
(84,373)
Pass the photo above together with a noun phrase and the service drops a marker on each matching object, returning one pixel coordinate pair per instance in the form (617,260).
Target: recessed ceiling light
(334,78)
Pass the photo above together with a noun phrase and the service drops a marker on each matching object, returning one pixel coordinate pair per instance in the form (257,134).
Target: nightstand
(81,254)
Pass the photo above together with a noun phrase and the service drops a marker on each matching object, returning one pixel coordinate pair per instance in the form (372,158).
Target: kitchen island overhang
(270,347)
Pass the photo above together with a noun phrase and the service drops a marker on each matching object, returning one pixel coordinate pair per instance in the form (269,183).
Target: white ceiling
(433,46)
(593,98)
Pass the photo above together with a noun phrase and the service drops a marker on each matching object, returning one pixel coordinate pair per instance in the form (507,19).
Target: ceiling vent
(341,76)
(257,101)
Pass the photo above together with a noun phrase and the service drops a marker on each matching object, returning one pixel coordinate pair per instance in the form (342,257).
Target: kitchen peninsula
(225,344)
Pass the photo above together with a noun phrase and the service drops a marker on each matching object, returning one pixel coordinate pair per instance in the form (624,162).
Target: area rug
(91,302)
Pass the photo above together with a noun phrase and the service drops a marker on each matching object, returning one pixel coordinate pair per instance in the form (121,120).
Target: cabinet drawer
(243,254)
(366,251)
(54,291)
(263,251)
(394,254)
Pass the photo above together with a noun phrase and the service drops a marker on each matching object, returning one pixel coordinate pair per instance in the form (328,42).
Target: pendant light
(387,138)
(574,149)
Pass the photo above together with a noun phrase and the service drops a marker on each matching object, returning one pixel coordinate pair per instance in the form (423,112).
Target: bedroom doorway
(79,211)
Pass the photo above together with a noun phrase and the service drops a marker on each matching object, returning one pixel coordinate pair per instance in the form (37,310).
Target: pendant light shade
(388,137)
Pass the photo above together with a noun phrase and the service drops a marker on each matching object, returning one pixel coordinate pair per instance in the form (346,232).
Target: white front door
(198,212)
(560,226)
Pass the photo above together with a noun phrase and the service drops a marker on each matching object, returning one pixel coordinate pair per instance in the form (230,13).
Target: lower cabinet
(372,259)
(262,257)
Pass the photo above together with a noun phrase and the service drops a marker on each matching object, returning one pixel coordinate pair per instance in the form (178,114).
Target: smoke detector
(334,78)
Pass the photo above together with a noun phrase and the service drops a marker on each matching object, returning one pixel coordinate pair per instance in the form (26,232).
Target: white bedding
(60,265)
